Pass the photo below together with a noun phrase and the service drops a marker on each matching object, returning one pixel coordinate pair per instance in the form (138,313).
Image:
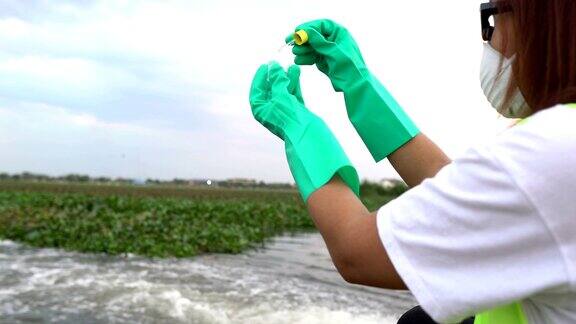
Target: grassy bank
(150,221)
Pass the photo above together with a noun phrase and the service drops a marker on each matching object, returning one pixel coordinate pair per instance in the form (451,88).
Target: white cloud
(76,72)
(12,28)
(198,57)
(42,138)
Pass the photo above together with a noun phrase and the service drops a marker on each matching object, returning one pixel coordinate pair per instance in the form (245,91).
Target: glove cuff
(315,157)
(378,118)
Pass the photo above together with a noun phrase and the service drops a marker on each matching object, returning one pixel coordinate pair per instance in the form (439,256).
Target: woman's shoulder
(546,138)
(540,154)
(556,122)
(537,155)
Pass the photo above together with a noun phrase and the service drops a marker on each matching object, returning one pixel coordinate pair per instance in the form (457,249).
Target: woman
(491,234)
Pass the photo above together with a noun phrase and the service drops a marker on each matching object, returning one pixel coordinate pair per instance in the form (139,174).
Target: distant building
(139,182)
(242,182)
(390,183)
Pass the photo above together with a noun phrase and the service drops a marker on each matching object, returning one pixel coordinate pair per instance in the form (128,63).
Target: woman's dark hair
(544,39)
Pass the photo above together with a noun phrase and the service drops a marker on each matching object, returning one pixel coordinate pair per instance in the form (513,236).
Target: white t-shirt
(497,225)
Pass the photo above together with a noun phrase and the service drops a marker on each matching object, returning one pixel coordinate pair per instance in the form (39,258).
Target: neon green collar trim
(527,118)
(509,314)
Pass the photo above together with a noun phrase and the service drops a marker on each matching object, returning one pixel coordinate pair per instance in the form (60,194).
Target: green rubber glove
(378,118)
(314,155)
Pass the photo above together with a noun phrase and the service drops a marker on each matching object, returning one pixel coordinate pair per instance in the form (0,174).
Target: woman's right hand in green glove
(333,50)
(377,117)
(314,154)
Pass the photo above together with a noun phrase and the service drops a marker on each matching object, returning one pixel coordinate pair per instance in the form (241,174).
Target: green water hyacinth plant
(153,222)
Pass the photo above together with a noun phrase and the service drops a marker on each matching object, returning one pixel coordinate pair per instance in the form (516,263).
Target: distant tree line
(82,178)
(384,188)
(75,178)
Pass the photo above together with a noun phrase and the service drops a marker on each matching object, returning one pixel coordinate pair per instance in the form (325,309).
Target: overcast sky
(160,88)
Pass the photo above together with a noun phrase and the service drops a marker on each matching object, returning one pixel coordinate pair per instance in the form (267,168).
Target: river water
(292,280)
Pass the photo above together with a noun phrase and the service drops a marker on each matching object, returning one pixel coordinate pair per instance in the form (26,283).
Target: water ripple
(291,281)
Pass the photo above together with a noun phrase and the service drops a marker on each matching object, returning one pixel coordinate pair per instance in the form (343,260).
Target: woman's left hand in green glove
(314,155)
(277,102)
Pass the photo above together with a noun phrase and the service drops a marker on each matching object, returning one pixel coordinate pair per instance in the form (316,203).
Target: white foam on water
(250,288)
(185,309)
(316,315)
(174,304)
(8,243)
(44,277)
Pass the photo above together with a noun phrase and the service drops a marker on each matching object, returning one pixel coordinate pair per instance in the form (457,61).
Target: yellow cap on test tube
(300,37)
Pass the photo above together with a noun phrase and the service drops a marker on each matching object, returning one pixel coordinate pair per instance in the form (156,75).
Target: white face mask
(495,84)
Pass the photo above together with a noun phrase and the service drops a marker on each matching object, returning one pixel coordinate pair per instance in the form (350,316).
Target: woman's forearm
(350,230)
(418,159)
(351,235)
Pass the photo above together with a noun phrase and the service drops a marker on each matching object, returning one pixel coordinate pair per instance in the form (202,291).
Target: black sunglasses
(488,10)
